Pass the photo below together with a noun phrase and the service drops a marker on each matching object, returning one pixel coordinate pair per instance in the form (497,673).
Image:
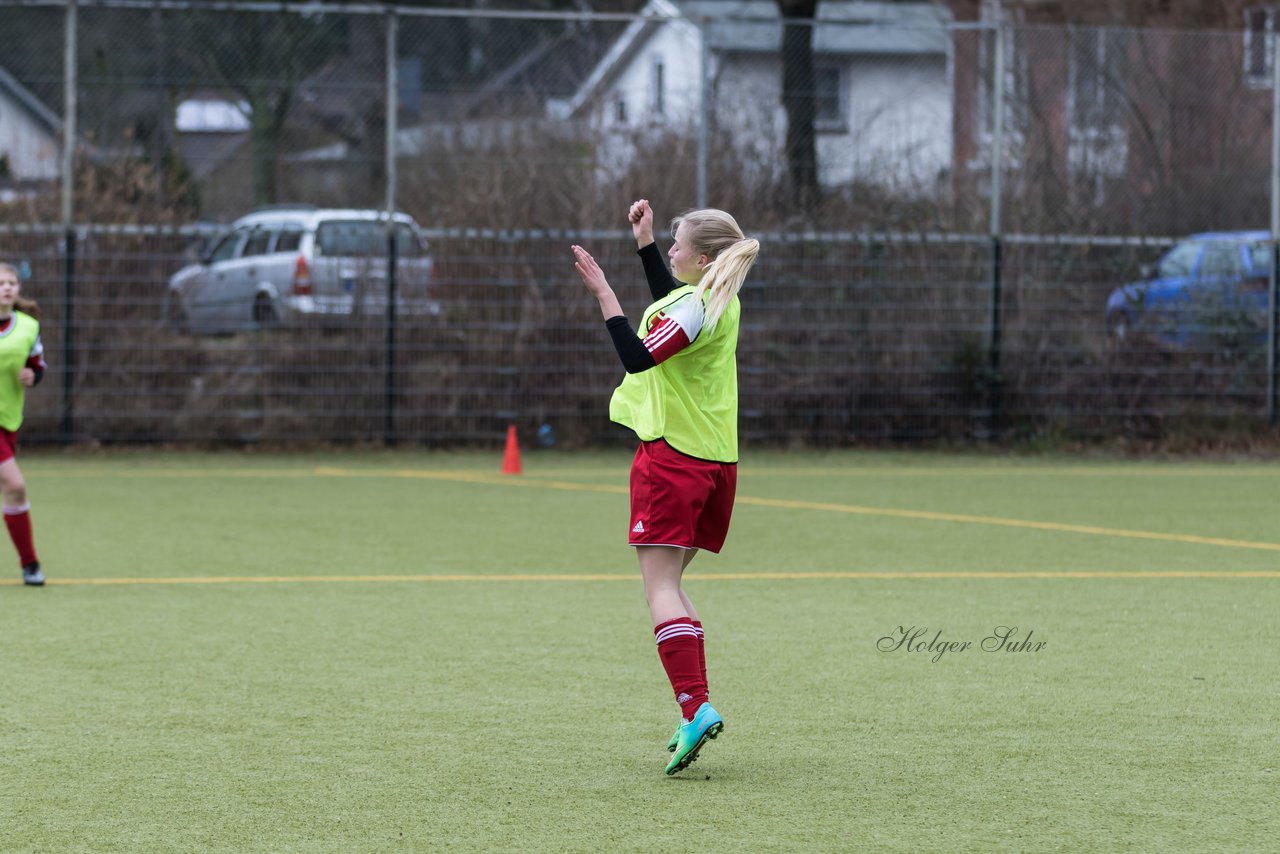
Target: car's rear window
(1260,258)
(290,238)
(363,238)
(407,243)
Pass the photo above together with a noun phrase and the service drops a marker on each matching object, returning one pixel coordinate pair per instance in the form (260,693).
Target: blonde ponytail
(716,234)
(724,276)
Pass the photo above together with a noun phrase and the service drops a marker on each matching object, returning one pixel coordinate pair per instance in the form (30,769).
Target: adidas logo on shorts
(639,528)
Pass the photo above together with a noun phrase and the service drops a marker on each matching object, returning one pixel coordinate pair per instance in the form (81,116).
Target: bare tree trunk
(266,128)
(799,93)
(370,146)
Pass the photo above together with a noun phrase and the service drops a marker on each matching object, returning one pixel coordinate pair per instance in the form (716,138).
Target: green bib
(15,348)
(691,399)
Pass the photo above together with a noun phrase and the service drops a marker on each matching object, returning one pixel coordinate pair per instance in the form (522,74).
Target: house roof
(551,67)
(29,102)
(754,26)
(616,57)
(857,27)
(554,67)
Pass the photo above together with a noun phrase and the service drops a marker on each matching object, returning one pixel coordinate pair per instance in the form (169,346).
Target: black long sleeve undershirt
(635,357)
(661,282)
(39,372)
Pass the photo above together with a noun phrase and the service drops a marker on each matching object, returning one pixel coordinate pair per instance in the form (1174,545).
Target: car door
(242,280)
(1166,298)
(1213,298)
(204,295)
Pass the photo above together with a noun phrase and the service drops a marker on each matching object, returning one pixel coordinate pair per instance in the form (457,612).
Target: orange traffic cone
(511,459)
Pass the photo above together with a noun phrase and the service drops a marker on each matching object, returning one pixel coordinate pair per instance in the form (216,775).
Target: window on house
(1261,24)
(1097,78)
(826,95)
(1097,135)
(1088,90)
(1016,73)
(659,90)
(620,111)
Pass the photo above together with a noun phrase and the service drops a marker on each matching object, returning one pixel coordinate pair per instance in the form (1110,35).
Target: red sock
(702,654)
(678,649)
(18,521)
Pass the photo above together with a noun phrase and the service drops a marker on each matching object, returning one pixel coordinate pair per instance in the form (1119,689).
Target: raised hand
(589,270)
(641,217)
(593,278)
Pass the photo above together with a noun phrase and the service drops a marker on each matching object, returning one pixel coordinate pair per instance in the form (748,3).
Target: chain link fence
(948,214)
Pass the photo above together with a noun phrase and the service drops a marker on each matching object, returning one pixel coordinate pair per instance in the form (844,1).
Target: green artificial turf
(412,652)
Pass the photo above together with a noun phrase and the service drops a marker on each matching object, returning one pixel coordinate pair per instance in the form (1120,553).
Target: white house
(29,134)
(883,86)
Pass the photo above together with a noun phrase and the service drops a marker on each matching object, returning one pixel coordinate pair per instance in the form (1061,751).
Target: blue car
(1209,289)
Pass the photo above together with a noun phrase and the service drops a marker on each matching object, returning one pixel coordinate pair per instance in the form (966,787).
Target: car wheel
(264,312)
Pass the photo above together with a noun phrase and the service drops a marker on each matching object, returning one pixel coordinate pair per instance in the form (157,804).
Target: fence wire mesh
(893,300)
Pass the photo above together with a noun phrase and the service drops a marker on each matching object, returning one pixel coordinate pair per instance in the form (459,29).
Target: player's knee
(15,494)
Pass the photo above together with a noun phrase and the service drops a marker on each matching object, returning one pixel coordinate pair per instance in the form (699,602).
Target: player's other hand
(641,217)
(27,377)
(589,270)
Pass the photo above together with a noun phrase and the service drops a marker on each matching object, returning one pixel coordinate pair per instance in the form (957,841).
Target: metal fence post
(70,84)
(393,104)
(704,110)
(1273,301)
(995,389)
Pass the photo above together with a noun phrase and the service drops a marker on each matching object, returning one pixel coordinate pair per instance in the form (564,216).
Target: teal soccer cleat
(706,724)
(675,738)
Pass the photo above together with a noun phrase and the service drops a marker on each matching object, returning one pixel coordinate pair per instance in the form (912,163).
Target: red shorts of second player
(679,500)
(8,444)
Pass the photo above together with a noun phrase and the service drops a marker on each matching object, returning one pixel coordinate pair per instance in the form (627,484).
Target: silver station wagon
(298,265)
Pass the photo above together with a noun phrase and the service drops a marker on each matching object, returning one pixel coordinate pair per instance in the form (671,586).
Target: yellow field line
(746,471)
(1059,527)
(925,515)
(1119,470)
(634,577)
(1265,470)
(136,473)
